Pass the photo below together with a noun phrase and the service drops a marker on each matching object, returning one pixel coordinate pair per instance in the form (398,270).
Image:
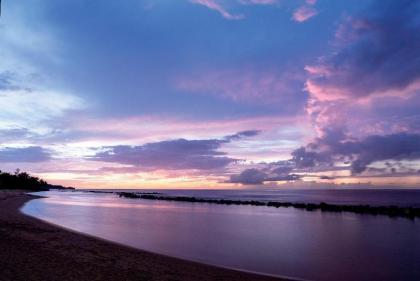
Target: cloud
(216,6)
(6,81)
(245,85)
(25,154)
(326,178)
(29,107)
(239,135)
(179,154)
(397,147)
(29,93)
(359,153)
(143,129)
(301,14)
(219,6)
(14,134)
(304,158)
(376,53)
(304,13)
(249,176)
(337,150)
(255,176)
(363,95)
(266,172)
(258,2)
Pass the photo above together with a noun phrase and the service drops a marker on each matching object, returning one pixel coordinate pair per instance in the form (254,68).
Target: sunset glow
(211,94)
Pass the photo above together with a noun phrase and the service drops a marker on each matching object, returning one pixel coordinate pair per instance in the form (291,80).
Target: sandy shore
(34,250)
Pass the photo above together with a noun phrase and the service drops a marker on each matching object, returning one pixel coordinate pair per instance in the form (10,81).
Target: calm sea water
(284,241)
(382,197)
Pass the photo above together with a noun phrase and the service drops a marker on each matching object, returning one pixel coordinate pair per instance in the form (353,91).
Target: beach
(31,249)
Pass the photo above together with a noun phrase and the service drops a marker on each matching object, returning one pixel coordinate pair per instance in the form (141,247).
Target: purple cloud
(370,83)
(358,153)
(376,53)
(180,154)
(14,134)
(276,171)
(378,148)
(249,176)
(364,94)
(326,178)
(256,176)
(242,134)
(26,154)
(245,85)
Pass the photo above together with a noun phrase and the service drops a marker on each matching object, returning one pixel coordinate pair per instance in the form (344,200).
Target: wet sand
(31,249)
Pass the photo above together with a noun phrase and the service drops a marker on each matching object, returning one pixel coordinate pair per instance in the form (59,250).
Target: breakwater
(391,211)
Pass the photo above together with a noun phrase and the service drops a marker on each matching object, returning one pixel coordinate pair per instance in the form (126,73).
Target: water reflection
(311,245)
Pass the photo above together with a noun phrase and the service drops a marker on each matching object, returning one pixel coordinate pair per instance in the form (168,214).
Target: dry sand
(34,250)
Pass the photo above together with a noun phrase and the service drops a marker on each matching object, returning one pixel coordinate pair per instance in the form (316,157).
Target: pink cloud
(216,6)
(258,2)
(304,13)
(375,115)
(367,61)
(85,131)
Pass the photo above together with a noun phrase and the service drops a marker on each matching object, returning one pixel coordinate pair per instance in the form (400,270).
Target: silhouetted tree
(22,180)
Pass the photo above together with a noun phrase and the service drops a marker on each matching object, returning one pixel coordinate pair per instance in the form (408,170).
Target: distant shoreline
(35,250)
(390,211)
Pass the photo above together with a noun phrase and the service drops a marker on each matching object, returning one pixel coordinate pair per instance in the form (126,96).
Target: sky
(211,93)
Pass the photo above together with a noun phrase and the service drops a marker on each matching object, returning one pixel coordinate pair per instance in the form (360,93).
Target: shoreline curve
(33,249)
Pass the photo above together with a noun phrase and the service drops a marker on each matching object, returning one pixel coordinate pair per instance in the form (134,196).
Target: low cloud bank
(179,154)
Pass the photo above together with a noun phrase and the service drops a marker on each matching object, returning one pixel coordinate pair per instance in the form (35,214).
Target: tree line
(24,181)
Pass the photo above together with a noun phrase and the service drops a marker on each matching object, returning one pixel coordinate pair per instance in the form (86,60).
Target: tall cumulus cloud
(359,94)
(376,52)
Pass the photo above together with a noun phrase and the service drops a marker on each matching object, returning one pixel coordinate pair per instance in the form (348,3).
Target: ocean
(284,242)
